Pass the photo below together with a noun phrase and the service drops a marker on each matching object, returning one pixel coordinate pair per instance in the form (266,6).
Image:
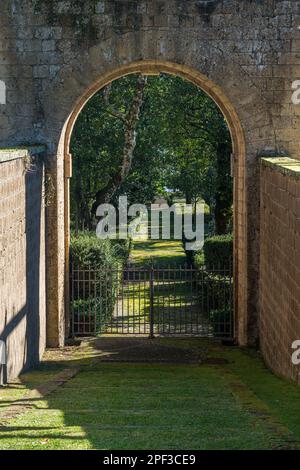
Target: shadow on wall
(24,331)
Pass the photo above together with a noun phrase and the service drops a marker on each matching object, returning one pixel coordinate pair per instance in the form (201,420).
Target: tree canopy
(179,141)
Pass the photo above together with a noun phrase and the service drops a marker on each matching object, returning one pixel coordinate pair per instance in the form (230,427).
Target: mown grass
(155,406)
(230,402)
(163,253)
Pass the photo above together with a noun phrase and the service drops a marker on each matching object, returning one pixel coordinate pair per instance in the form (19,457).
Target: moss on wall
(77,14)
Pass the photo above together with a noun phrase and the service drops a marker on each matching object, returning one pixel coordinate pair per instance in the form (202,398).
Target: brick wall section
(22,259)
(280,263)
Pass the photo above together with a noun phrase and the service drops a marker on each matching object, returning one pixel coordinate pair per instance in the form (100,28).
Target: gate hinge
(68,165)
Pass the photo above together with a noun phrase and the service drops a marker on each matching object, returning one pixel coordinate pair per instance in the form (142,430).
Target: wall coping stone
(285,165)
(7,154)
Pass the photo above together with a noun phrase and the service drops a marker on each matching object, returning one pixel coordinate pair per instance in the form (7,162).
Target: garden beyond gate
(152,301)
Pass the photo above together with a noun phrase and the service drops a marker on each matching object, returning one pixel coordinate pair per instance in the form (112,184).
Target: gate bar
(151,312)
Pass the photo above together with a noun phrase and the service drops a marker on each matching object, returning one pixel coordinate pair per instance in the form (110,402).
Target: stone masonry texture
(279,323)
(22,260)
(53,53)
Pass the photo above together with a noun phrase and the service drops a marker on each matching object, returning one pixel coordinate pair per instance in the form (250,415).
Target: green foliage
(96,276)
(99,308)
(215,292)
(87,250)
(199,260)
(221,321)
(183,144)
(243,383)
(218,251)
(213,262)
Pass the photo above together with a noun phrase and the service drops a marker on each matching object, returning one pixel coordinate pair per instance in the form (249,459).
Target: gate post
(151,313)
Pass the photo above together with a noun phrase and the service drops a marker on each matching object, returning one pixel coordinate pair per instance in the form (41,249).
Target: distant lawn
(163,253)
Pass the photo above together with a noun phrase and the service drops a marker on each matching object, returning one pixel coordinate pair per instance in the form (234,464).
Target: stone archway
(240,230)
(54,57)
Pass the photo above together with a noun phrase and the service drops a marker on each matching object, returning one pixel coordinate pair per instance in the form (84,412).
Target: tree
(128,119)
(180,140)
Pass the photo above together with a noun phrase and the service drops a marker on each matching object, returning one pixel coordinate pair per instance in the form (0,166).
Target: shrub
(96,274)
(218,251)
(87,250)
(199,259)
(221,321)
(92,314)
(215,291)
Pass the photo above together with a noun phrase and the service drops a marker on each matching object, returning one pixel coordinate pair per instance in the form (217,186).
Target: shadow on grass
(150,405)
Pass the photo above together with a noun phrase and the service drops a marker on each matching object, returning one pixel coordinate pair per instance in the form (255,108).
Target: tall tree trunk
(130,123)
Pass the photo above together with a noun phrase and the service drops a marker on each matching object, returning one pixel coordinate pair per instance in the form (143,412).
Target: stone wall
(22,258)
(55,53)
(280,263)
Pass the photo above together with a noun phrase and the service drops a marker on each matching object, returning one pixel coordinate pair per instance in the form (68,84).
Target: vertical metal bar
(102,310)
(157,300)
(127,290)
(172,319)
(84,298)
(169,296)
(231,291)
(139,290)
(145,300)
(72,298)
(197,288)
(178,310)
(151,311)
(192,306)
(184,299)
(125,273)
(106,295)
(163,304)
(226,320)
(111,290)
(133,300)
(89,302)
(71,281)
(96,300)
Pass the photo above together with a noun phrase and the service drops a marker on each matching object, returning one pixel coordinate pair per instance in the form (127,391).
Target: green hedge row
(92,314)
(222,322)
(87,250)
(217,286)
(218,251)
(95,276)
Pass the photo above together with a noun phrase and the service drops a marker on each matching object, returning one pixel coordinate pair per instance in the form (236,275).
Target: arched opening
(155,68)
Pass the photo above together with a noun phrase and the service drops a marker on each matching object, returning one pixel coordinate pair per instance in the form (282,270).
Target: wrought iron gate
(152,301)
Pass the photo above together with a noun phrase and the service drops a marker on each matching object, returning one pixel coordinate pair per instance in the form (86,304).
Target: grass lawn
(163,253)
(238,404)
(226,399)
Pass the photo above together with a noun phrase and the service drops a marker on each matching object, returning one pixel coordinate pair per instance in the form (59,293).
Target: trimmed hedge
(222,323)
(93,313)
(215,291)
(96,274)
(87,250)
(199,260)
(218,251)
